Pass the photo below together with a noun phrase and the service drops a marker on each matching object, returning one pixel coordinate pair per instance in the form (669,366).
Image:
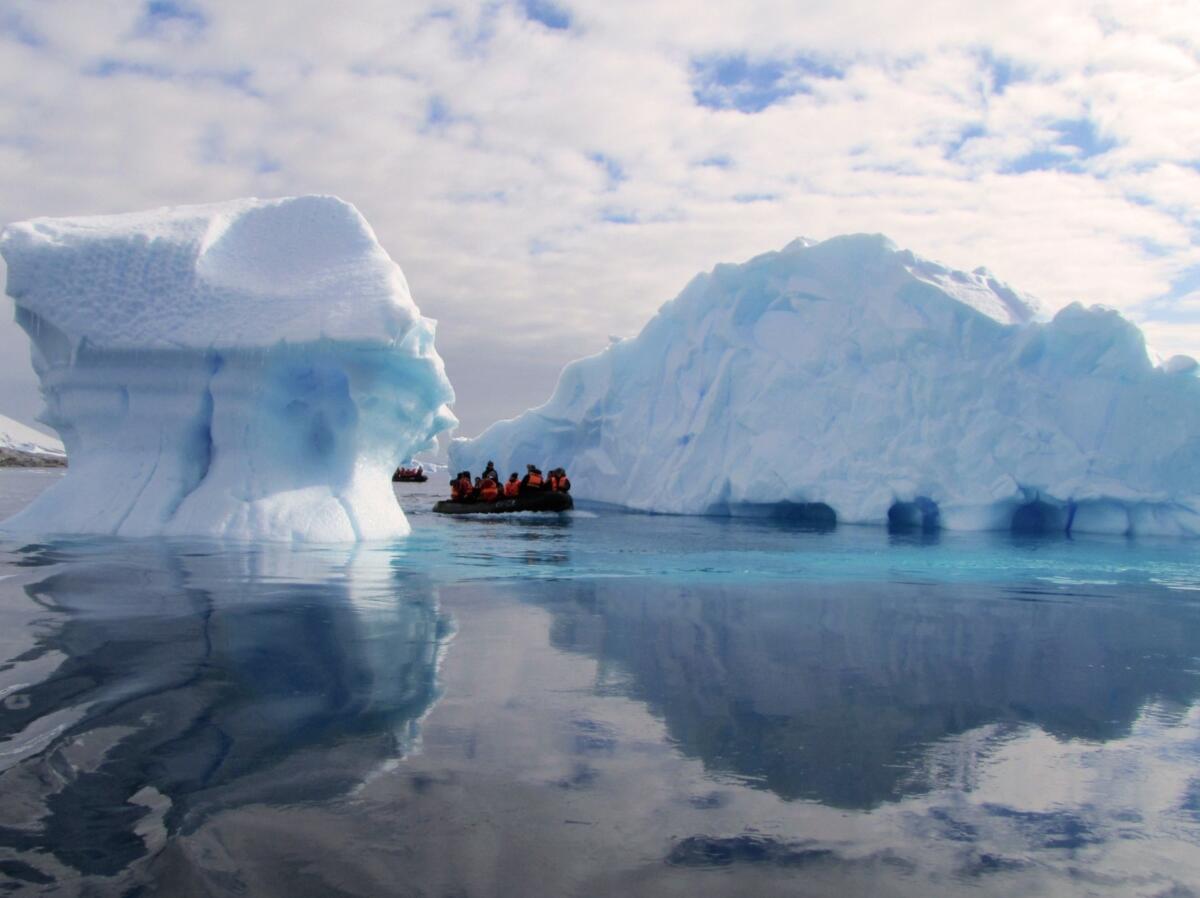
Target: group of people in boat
(488,488)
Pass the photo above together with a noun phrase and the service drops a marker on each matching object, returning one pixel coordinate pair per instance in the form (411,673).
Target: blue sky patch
(546,13)
(1076,140)
(479,198)
(1082,134)
(613,171)
(437,113)
(14,26)
(618,216)
(234,79)
(738,82)
(112,68)
(161,15)
(212,148)
(1002,72)
(1166,307)
(267,165)
(1038,160)
(1186,283)
(440,115)
(1151,247)
(967,134)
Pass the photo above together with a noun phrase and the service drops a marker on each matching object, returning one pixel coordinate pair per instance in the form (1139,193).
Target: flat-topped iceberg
(253,370)
(848,380)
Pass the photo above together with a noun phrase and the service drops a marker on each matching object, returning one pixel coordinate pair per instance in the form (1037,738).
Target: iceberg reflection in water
(629,706)
(837,694)
(151,685)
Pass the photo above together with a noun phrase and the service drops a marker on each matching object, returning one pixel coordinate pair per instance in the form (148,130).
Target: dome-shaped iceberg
(851,379)
(252,369)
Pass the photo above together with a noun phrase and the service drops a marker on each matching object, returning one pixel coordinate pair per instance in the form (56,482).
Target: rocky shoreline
(14,458)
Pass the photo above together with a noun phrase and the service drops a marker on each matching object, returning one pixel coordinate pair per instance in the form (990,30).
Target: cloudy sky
(549,172)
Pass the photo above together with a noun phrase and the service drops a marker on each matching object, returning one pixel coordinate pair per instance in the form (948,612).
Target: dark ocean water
(599,704)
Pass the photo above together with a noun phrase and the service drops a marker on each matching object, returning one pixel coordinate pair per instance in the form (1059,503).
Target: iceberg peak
(851,380)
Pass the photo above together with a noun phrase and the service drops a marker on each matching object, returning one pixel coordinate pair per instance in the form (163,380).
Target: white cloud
(558,194)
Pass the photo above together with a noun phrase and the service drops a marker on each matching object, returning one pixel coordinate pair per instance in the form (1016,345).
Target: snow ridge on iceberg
(851,380)
(252,369)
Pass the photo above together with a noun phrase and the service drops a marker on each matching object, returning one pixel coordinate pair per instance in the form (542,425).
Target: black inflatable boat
(543,501)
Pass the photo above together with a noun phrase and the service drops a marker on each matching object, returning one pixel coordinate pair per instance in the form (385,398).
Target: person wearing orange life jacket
(532,481)
(513,488)
(562,483)
(464,486)
(489,490)
(460,488)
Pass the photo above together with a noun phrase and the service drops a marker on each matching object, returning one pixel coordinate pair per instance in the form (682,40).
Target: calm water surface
(599,704)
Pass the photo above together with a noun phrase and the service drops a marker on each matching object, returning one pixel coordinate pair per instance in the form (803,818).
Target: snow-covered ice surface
(853,378)
(20,437)
(250,370)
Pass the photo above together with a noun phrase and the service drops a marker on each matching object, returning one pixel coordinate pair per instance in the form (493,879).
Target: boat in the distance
(544,500)
(409,475)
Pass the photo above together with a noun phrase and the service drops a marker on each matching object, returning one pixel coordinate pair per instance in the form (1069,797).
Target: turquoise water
(599,704)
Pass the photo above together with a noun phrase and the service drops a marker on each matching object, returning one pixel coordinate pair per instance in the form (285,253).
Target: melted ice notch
(251,370)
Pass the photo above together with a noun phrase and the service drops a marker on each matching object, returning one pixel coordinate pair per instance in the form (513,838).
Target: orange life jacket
(552,481)
(535,479)
(564,483)
(489,490)
(512,488)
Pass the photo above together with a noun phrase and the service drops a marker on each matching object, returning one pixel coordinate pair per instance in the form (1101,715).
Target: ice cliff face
(252,369)
(851,380)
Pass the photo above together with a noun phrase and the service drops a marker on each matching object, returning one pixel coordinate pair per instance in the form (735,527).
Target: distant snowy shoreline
(23,447)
